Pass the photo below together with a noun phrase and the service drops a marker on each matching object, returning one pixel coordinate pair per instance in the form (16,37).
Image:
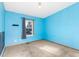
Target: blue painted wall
(1,17)
(13,34)
(2,43)
(63,27)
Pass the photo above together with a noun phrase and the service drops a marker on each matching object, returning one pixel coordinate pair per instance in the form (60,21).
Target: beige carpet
(40,49)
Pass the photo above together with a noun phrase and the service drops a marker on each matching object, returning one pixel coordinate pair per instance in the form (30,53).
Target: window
(27,28)
(29,24)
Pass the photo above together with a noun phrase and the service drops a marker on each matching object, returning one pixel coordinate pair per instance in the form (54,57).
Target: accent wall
(63,27)
(13,34)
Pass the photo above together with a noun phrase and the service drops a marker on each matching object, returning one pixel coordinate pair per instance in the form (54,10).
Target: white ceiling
(33,8)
